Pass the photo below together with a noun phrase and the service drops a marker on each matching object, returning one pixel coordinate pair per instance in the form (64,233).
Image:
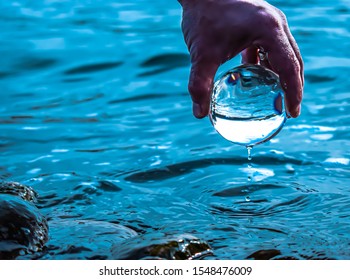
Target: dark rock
(23,191)
(84,239)
(160,246)
(23,229)
(264,254)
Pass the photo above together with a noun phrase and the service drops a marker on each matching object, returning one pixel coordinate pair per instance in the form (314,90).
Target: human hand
(216,31)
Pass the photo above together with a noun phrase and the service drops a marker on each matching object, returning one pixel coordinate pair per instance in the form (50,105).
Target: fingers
(250,55)
(200,86)
(295,47)
(285,63)
(263,59)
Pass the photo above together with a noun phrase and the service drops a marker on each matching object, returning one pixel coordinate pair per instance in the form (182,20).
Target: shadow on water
(178,169)
(4,75)
(35,63)
(96,117)
(145,97)
(164,63)
(91,68)
(167,60)
(314,78)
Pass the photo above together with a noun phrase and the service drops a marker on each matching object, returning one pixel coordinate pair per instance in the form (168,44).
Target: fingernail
(197,110)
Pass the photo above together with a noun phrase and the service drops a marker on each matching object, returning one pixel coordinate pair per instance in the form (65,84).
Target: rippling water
(95,117)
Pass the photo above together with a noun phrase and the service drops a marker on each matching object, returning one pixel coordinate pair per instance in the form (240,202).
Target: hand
(216,31)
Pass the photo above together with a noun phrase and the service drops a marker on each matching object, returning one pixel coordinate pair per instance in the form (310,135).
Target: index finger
(285,63)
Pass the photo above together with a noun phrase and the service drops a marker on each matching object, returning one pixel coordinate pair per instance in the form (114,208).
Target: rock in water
(23,229)
(23,191)
(162,246)
(84,239)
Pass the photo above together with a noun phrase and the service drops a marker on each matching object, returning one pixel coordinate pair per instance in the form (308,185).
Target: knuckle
(273,18)
(281,15)
(270,20)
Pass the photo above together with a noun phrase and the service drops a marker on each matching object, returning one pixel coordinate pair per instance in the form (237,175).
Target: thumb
(200,86)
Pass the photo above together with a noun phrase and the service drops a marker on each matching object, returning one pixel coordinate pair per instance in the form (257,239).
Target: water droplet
(249,149)
(247,198)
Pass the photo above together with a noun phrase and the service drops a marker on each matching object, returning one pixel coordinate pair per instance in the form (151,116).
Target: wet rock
(23,229)
(23,191)
(161,246)
(264,254)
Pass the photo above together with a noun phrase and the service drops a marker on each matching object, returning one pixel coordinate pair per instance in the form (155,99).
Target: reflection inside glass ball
(247,106)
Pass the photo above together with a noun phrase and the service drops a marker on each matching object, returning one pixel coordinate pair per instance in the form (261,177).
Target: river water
(96,118)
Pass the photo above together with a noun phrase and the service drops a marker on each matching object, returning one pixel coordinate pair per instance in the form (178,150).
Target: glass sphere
(247,106)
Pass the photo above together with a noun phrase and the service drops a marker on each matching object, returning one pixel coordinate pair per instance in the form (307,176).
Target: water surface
(95,117)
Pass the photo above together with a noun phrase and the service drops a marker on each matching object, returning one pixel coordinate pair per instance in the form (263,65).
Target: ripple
(261,207)
(165,62)
(4,75)
(170,60)
(77,80)
(73,239)
(92,150)
(167,171)
(89,98)
(245,189)
(90,68)
(178,169)
(313,78)
(83,193)
(144,97)
(35,63)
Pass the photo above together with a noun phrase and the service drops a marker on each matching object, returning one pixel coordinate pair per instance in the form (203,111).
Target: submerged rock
(161,246)
(84,239)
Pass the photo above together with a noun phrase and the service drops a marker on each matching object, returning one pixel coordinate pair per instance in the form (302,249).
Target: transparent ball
(247,106)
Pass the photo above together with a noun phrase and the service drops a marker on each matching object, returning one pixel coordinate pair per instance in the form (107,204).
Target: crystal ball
(247,105)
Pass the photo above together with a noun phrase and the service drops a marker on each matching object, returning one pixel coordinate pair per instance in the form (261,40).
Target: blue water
(96,118)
